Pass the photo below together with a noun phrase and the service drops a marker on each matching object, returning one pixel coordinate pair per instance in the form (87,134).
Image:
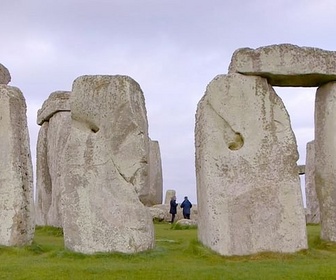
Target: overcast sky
(172,48)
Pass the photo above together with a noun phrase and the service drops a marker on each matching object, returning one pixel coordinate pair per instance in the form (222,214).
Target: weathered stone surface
(157,213)
(302,169)
(58,132)
(186,222)
(286,65)
(151,193)
(50,148)
(155,175)
(169,195)
(325,158)
(58,101)
(106,156)
(43,180)
(248,187)
(5,76)
(312,203)
(16,173)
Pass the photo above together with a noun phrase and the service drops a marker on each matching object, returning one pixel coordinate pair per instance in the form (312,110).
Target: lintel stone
(56,102)
(286,65)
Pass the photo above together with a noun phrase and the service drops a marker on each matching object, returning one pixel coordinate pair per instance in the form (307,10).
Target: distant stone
(286,65)
(151,193)
(313,208)
(155,175)
(302,169)
(58,133)
(186,222)
(5,76)
(325,158)
(157,213)
(58,101)
(51,143)
(169,195)
(165,210)
(43,180)
(106,168)
(17,224)
(249,195)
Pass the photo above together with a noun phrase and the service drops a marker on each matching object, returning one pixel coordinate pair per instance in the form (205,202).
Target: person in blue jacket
(173,210)
(186,205)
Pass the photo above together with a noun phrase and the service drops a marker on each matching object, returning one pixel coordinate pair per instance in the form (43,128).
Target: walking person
(186,205)
(173,210)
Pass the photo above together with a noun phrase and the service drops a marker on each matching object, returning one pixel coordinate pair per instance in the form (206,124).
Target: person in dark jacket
(186,205)
(173,210)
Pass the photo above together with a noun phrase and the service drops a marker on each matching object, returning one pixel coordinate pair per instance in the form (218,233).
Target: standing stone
(55,120)
(151,193)
(325,158)
(106,167)
(5,76)
(169,195)
(248,187)
(16,172)
(313,208)
(43,193)
(155,174)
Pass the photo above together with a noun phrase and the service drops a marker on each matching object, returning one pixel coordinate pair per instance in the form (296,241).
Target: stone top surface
(286,65)
(5,76)
(56,102)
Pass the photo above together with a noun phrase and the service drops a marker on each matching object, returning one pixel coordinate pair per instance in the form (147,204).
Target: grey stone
(106,168)
(169,195)
(52,139)
(58,101)
(312,203)
(187,222)
(158,214)
(325,158)
(302,169)
(43,192)
(248,187)
(155,174)
(16,173)
(5,76)
(286,65)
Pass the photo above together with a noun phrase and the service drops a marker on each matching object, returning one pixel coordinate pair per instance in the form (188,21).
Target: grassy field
(177,255)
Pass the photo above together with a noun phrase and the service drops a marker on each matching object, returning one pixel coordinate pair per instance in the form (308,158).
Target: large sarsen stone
(106,156)
(286,65)
(248,187)
(55,120)
(17,221)
(325,158)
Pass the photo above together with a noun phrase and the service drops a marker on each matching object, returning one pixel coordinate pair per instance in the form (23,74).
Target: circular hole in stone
(94,129)
(238,142)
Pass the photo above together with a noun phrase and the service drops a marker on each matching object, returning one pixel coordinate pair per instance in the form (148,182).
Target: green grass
(177,226)
(177,255)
